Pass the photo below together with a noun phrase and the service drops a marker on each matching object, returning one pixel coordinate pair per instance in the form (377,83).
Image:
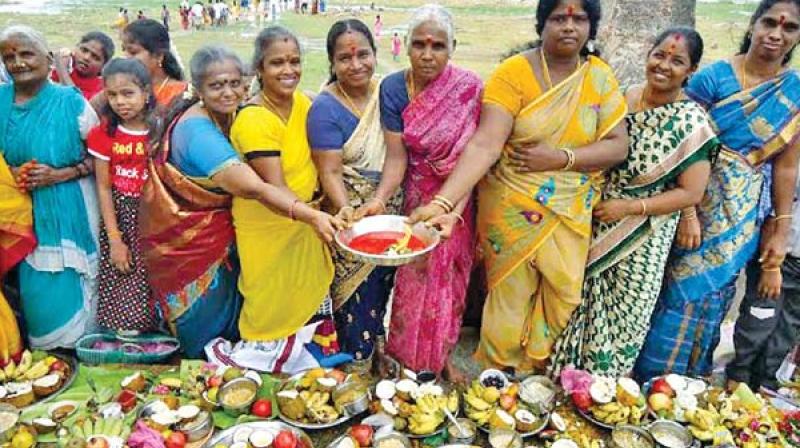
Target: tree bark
(629,28)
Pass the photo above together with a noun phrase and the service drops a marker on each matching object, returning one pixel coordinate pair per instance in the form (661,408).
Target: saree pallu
(535,227)
(360,291)
(187,243)
(58,279)
(627,257)
(16,242)
(429,296)
(753,126)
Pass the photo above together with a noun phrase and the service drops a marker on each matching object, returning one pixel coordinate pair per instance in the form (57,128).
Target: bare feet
(454,374)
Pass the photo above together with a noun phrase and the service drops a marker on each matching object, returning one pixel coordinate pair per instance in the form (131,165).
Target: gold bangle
(644,207)
(771,269)
(344,207)
(692,215)
(383,204)
(460,218)
(114,234)
(441,205)
(446,201)
(779,217)
(570,159)
(291,210)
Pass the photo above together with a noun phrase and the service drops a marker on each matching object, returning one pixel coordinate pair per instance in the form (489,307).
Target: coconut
(686,401)
(385,390)
(242,434)
(501,419)
(47,385)
(165,419)
(347,442)
(406,389)
(188,412)
(696,387)
(3,392)
(326,384)
(134,382)
(628,392)
(389,407)
(601,392)
(678,383)
(427,389)
(19,394)
(44,425)
(61,410)
(253,375)
(261,439)
(409,374)
(525,420)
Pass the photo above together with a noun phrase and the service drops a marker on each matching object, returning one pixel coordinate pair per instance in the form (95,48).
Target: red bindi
(429,39)
(353,50)
(570,10)
(782,20)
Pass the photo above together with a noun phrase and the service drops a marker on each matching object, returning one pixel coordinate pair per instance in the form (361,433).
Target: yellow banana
(24,363)
(477,403)
(11,370)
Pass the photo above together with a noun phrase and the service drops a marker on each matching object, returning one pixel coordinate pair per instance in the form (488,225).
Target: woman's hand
(425,213)
(347,215)
(615,209)
(538,157)
(689,235)
(374,206)
(120,256)
(774,242)
(326,225)
(445,223)
(41,175)
(769,284)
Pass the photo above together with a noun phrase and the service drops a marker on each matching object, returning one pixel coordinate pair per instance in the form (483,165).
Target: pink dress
(396,46)
(378,28)
(430,296)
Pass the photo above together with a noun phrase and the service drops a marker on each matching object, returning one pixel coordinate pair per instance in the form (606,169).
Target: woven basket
(129,353)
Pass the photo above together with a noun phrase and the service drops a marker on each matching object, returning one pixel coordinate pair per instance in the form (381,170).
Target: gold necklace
(641,104)
(743,74)
(546,68)
(216,123)
(272,106)
(356,110)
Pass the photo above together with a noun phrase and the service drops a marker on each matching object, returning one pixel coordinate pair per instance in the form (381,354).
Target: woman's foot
(454,374)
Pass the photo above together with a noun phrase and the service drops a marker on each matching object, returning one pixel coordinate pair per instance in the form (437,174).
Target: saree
(187,238)
(50,128)
(753,126)
(627,257)
(16,242)
(286,268)
(535,227)
(429,297)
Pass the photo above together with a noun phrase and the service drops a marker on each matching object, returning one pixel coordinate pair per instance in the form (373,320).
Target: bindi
(353,50)
(782,20)
(429,39)
(570,10)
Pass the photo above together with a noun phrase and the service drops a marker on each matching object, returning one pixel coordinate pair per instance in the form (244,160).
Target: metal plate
(291,380)
(73,366)
(384,223)
(226,437)
(529,433)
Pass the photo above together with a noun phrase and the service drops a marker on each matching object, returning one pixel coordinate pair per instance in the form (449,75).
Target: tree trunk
(629,28)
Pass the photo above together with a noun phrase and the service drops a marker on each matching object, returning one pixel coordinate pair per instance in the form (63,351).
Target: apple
(97,442)
(176,440)
(662,386)
(284,439)
(362,434)
(262,408)
(582,400)
(660,402)
(507,402)
(338,375)
(127,399)
(214,381)
(58,366)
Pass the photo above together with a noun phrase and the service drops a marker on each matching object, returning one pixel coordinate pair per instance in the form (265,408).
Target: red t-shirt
(126,154)
(88,86)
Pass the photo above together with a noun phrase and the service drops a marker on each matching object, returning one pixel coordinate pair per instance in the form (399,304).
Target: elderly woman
(348,148)
(671,142)
(429,112)
(552,121)
(753,100)
(42,132)
(286,266)
(188,238)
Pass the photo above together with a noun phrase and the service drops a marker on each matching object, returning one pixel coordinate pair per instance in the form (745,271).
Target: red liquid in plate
(378,243)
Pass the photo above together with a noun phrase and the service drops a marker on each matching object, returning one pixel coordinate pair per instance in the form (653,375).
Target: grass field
(485,28)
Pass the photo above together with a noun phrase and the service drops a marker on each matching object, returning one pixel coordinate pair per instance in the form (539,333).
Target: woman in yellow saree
(552,120)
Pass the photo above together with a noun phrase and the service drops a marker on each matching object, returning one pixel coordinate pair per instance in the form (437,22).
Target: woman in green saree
(670,143)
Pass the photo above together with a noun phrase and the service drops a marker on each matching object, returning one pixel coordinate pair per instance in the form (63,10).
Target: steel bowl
(387,223)
(199,428)
(658,428)
(455,437)
(645,439)
(357,406)
(391,436)
(241,382)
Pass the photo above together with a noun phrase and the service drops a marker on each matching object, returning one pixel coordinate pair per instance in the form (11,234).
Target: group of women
(583,200)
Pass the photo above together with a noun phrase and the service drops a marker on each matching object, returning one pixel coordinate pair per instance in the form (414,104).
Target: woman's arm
(119,254)
(691,185)
(394,171)
(242,181)
(329,166)
(776,231)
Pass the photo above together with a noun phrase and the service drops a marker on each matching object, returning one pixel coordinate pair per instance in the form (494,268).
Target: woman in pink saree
(429,113)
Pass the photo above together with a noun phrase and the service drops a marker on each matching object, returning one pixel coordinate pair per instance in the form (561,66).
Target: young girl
(119,145)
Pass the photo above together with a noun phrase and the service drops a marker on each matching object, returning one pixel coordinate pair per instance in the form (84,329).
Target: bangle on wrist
(114,234)
(350,207)
(380,201)
(445,201)
(776,269)
(460,218)
(690,215)
(291,210)
(442,204)
(570,159)
(644,207)
(780,217)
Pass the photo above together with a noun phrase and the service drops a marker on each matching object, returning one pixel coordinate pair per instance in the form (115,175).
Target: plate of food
(387,240)
(321,398)
(416,408)
(610,402)
(671,396)
(494,402)
(264,434)
(37,378)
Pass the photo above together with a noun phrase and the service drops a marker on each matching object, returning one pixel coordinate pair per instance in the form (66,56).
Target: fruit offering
(36,377)
(202,384)
(416,408)
(89,432)
(671,396)
(614,402)
(496,404)
(309,398)
(790,428)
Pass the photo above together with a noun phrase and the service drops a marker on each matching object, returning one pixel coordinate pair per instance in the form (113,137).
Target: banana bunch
(318,407)
(111,427)
(474,398)
(425,423)
(25,370)
(615,413)
(705,424)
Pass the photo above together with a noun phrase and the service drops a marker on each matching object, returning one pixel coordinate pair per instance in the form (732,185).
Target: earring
(590,46)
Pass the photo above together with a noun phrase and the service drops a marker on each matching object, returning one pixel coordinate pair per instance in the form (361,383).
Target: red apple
(262,408)
(214,381)
(362,434)
(284,439)
(660,402)
(661,386)
(58,366)
(97,442)
(176,440)
(582,400)
(127,399)
(507,402)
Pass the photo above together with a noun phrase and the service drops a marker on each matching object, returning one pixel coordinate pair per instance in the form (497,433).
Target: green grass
(485,29)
